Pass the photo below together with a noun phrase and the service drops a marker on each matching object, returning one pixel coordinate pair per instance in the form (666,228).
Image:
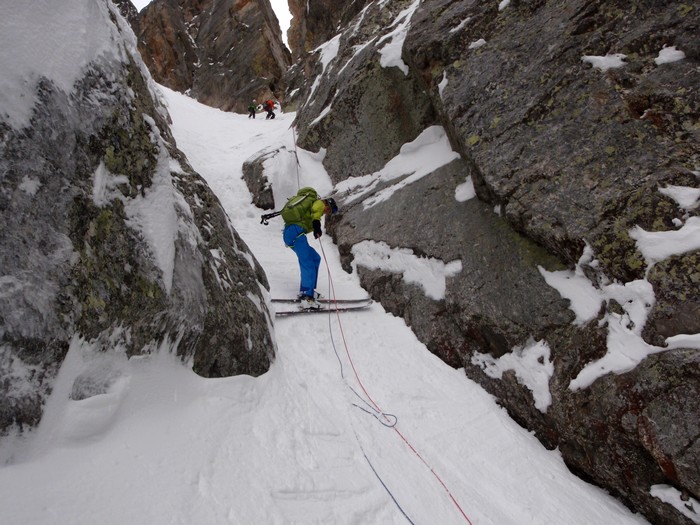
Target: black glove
(317,228)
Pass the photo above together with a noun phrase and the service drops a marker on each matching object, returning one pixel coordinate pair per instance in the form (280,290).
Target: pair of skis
(327,305)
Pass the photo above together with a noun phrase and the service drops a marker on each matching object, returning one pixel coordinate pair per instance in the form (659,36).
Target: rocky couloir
(224,53)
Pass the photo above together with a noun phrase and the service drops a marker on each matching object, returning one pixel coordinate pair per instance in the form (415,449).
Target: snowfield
(355,423)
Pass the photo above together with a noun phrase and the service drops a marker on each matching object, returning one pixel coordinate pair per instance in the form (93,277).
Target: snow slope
(301,444)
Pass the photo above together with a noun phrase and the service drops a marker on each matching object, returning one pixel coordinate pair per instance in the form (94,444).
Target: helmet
(332,205)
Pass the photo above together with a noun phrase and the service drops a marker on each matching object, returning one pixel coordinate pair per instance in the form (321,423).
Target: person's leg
(309,261)
(317,264)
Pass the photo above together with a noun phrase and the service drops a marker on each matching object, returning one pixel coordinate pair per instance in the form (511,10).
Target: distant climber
(269,106)
(252,109)
(302,214)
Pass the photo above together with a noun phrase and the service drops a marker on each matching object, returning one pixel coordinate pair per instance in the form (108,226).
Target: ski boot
(306,302)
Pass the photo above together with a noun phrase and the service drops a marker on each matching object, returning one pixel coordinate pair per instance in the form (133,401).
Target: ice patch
(461,25)
(443,83)
(625,346)
(657,246)
(104,185)
(687,197)
(585,299)
(391,52)
(428,152)
(328,51)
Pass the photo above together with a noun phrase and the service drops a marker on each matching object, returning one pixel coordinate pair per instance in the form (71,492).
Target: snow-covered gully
(302,443)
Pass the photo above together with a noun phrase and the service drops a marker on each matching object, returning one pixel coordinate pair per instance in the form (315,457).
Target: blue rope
(390,420)
(374,413)
(388,417)
(398,506)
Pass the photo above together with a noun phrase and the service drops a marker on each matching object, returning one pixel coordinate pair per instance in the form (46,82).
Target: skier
(252,108)
(302,214)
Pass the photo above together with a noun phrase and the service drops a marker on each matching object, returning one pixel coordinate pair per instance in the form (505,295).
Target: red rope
(362,386)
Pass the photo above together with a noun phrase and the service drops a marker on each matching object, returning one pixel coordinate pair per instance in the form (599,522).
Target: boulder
(110,240)
(258,183)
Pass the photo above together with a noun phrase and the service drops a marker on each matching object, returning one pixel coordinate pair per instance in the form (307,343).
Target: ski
(326,310)
(327,301)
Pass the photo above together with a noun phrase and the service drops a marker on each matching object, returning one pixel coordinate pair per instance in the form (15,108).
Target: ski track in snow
(442,415)
(289,447)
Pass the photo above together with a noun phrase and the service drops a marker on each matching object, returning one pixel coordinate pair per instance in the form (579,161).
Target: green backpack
(297,210)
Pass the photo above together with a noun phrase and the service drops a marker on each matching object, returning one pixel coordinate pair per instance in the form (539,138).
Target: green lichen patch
(473,140)
(126,141)
(114,280)
(684,9)
(646,208)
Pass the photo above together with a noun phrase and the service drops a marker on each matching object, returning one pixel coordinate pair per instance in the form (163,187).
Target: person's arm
(318,208)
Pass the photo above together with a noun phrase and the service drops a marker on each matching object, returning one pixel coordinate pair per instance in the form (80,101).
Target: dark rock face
(677,308)
(127,10)
(223,52)
(165,44)
(644,428)
(472,316)
(564,157)
(109,237)
(584,150)
(317,21)
(363,96)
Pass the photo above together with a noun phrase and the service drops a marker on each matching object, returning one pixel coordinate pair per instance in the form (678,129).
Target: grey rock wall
(317,21)
(110,237)
(562,156)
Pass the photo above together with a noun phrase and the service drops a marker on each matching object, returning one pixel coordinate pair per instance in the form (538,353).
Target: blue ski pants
(309,259)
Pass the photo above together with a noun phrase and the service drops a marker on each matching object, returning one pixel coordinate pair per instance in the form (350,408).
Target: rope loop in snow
(389,420)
